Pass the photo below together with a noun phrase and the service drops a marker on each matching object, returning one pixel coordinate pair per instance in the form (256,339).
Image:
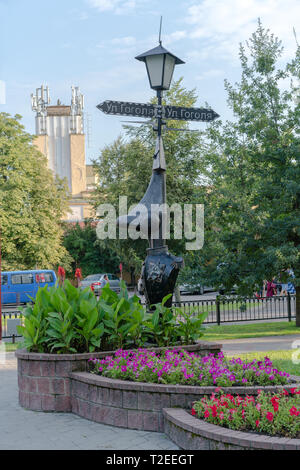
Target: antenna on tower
(159,37)
(40,100)
(39,103)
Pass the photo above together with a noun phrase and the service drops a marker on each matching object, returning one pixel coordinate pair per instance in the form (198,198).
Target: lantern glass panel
(168,71)
(155,65)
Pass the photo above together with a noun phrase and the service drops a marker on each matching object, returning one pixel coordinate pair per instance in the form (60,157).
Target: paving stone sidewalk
(29,430)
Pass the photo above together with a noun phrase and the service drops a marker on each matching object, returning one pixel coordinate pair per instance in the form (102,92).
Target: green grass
(10,347)
(253,330)
(282,360)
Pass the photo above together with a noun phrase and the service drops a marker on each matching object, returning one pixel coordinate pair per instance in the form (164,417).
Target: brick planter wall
(44,379)
(191,433)
(62,383)
(137,405)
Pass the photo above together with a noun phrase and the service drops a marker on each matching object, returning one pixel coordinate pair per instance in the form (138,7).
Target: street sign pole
(159,263)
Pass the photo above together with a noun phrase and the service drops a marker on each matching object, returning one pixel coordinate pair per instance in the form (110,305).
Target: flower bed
(187,368)
(273,414)
(44,379)
(191,433)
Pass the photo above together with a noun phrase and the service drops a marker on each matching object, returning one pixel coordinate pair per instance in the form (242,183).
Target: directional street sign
(188,114)
(128,109)
(152,111)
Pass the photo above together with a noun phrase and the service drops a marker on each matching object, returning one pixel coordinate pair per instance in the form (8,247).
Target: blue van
(17,286)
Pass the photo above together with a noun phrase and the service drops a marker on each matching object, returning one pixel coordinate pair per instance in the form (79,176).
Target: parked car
(194,289)
(232,291)
(18,286)
(96,282)
(140,287)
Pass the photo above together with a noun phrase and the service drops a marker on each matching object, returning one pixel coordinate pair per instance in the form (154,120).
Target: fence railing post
(218,311)
(289,306)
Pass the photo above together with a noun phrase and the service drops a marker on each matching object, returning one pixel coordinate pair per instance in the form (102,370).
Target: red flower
(193,412)
(206,414)
(269,416)
(78,273)
(61,272)
(294,412)
(214,411)
(294,391)
(257,423)
(274,401)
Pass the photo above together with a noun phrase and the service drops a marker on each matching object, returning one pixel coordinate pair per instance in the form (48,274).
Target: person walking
(271,286)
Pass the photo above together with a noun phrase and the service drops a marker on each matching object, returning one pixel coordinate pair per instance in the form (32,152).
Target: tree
(32,202)
(90,254)
(252,201)
(125,167)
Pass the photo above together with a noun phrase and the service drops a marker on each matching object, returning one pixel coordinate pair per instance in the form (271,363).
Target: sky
(93,43)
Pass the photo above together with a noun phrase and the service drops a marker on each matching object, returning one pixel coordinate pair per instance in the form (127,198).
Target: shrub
(64,319)
(273,414)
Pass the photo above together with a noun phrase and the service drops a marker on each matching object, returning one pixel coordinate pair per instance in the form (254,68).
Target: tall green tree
(252,165)
(32,202)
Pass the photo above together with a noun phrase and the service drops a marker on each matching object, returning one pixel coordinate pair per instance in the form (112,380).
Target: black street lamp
(160,65)
(160,269)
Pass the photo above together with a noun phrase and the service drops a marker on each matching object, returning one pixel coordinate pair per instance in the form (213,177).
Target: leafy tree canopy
(252,165)
(32,202)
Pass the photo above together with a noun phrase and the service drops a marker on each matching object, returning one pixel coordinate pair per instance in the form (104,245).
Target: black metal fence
(224,310)
(10,320)
(239,310)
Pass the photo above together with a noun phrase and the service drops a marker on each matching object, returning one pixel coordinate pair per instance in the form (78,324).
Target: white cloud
(114,6)
(226,23)
(125,41)
(119,46)
(212,73)
(173,37)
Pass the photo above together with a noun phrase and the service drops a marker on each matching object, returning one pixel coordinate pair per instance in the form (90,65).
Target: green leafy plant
(62,320)
(33,330)
(161,324)
(123,318)
(190,325)
(61,334)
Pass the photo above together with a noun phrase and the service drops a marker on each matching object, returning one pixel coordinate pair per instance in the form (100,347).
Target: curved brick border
(191,433)
(50,382)
(137,405)
(44,379)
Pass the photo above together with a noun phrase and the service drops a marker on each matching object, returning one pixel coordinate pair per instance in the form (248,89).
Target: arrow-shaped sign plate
(153,111)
